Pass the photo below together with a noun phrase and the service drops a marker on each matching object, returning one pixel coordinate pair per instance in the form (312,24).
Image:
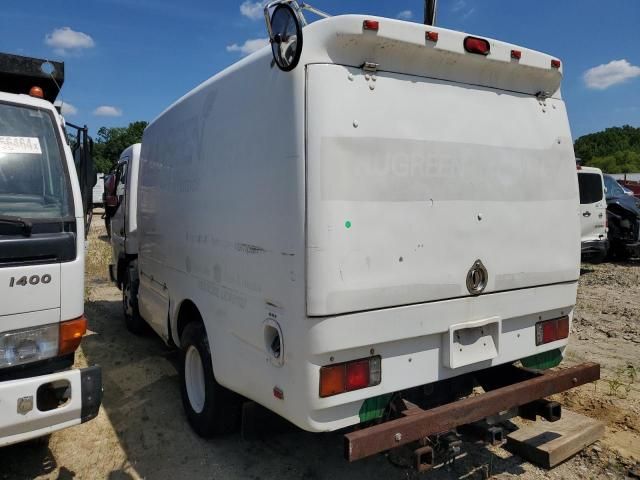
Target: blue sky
(127,60)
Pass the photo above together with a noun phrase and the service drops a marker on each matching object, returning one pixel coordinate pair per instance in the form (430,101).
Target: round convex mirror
(286,42)
(47,68)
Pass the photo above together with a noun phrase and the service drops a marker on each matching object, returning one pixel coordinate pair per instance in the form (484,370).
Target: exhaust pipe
(430,7)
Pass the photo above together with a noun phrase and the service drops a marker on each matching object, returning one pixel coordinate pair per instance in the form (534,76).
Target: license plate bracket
(472,342)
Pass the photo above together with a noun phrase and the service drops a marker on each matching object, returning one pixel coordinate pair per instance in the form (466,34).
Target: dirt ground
(141,431)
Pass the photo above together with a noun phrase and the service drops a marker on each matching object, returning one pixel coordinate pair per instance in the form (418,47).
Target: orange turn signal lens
(349,376)
(332,380)
(71,333)
(36,92)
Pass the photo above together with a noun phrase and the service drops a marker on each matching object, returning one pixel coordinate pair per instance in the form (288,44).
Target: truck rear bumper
(416,424)
(36,406)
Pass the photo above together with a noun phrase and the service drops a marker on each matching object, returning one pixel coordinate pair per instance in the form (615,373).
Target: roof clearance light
(517,54)
(431,36)
(477,45)
(371,25)
(36,92)
(555,63)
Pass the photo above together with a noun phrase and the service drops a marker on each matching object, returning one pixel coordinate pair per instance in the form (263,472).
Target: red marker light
(555,63)
(431,36)
(371,25)
(477,45)
(517,54)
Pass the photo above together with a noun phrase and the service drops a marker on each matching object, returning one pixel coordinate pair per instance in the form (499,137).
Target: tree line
(110,142)
(614,150)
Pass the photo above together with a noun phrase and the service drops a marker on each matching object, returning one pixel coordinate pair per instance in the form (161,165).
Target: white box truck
(334,230)
(42,252)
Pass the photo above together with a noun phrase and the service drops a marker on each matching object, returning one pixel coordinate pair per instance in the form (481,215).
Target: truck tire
(132,319)
(210,408)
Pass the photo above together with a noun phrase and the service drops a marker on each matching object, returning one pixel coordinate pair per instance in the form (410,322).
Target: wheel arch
(185,313)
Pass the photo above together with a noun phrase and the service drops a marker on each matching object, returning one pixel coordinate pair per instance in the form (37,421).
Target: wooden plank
(548,444)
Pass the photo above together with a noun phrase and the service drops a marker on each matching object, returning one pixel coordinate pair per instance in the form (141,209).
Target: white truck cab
(42,251)
(593,214)
(321,228)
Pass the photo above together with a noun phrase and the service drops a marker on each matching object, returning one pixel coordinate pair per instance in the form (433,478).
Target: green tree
(110,142)
(608,142)
(626,161)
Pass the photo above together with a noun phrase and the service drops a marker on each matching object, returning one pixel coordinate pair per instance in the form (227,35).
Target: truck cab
(42,255)
(593,214)
(123,223)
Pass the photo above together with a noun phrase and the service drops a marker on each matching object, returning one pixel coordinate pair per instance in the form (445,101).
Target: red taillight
(555,63)
(517,54)
(349,376)
(431,36)
(357,375)
(552,330)
(477,45)
(371,25)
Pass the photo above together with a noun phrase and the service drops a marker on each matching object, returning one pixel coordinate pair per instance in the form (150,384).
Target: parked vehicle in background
(354,249)
(110,199)
(98,191)
(623,216)
(593,214)
(626,190)
(42,257)
(124,235)
(630,181)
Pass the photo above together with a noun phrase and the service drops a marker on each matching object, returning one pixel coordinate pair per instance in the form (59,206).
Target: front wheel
(210,408)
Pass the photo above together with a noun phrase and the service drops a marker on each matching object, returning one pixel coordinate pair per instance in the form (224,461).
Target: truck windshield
(33,181)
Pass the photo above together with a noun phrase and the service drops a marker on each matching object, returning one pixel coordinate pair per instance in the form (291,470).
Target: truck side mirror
(285,35)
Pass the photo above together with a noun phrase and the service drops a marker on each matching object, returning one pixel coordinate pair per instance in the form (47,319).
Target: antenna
(430,7)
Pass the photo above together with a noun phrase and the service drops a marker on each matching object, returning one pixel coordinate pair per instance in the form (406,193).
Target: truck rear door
(412,181)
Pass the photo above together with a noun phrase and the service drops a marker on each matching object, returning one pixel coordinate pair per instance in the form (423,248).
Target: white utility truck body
(419,214)
(42,255)
(593,213)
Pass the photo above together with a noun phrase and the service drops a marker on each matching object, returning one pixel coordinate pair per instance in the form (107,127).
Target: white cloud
(462,9)
(613,73)
(107,111)
(65,40)
(67,109)
(252,10)
(250,46)
(405,15)
(459,5)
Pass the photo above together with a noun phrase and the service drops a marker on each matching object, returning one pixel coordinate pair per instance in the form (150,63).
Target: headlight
(29,345)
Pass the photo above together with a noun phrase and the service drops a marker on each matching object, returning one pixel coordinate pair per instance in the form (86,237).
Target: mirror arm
(320,13)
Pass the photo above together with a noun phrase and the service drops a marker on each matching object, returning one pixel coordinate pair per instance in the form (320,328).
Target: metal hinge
(370,67)
(542,96)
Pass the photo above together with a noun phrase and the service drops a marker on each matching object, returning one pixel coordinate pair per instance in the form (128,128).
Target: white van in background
(593,214)
(328,228)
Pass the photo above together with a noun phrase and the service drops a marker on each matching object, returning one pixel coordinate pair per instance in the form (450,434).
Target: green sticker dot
(347,224)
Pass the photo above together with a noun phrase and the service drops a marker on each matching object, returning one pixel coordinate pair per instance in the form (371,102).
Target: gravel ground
(141,431)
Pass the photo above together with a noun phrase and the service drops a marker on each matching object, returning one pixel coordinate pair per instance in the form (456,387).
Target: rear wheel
(210,408)
(132,319)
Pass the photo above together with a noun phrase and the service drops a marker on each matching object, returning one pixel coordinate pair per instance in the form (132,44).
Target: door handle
(586,214)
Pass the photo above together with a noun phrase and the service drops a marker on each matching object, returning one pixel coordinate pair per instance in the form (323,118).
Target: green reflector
(373,408)
(544,360)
